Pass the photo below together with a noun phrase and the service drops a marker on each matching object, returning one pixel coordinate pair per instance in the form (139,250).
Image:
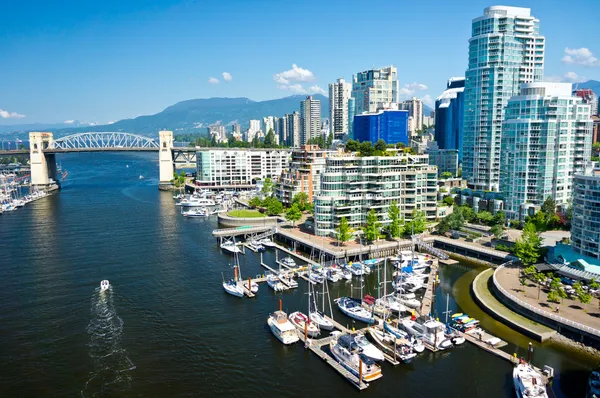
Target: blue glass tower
(449,111)
(388,125)
(351,112)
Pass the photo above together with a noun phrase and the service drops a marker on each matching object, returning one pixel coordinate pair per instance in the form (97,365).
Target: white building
(414,106)
(268,124)
(585,224)
(374,86)
(310,119)
(546,139)
(293,129)
(252,130)
(339,92)
(238,167)
(505,50)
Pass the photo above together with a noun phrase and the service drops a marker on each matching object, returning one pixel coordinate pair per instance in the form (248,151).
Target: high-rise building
(375,86)
(449,112)
(293,129)
(585,223)
(236,128)
(446,160)
(268,124)
(588,97)
(351,113)
(596,129)
(505,50)
(282,131)
(253,130)
(339,93)
(217,132)
(546,138)
(414,106)
(310,119)
(390,125)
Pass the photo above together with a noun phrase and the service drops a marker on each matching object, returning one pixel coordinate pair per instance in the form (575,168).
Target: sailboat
(231,286)
(348,354)
(393,346)
(317,316)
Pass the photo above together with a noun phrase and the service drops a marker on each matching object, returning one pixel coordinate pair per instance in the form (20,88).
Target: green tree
(267,188)
(343,232)
(443,226)
(448,200)
(301,199)
(418,222)
(530,271)
(549,206)
(352,146)
(394,227)
(553,296)
(539,278)
(499,218)
(380,145)
(255,202)
(329,140)
(594,285)
(274,207)
(293,214)
(371,230)
(445,175)
(497,231)
(366,148)
(584,298)
(270,141)
(467,213)
(527,248)
(485,217)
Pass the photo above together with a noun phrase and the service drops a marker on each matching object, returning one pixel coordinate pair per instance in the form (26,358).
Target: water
(166,327)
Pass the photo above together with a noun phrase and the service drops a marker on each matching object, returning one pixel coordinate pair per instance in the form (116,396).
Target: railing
(541,312)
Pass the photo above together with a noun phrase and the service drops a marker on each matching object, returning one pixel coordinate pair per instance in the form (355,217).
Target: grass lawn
(245,213)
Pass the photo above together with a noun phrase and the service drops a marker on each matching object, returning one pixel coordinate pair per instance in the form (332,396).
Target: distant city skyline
(109,61)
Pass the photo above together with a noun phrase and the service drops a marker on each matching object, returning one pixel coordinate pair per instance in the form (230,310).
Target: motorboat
(391,303)
(354,309)
(267,242)
(346,274)
(230,246)
(431,330)
(314,278)
(404,287)
(141,177)
(416,340)
(232,287)
(357,269)
(288,262)
(408,299)
(256,246)
(333,275)
(288,280)
(528,382)
(275,284)
(454,336)
(368,349)
(348,354)
(319,319)
(301,321)
(393,346)
(196,212)
(104,285)
(195,202)
(282,328)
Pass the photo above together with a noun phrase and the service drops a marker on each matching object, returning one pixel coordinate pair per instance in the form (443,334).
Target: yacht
(282,328)
(345,350)
(414,339)
(430,330)
(346,274)
(233,288)
(300,321)
(319,318)
(256,246)
(368,349)
(289,262)
(275,284)
(196,212)
(104,285)
(333,275)
(391,345)
(357,269)
(315,278)
(230,246)
(353,308)
(267,242)
(408,299)
(288,280)
(528,383)
(195,202)
(391,303)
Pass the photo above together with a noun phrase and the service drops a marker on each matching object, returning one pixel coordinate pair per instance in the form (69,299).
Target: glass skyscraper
(505,50)
(351,113)
(389,125)
(449,112)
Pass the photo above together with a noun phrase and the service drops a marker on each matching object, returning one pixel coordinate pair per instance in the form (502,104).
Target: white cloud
(213,80)
(580,56)
(296,74)
(409,90)
(427,100)
(416,86)
(569,77)
(69,121)
(227,76)
(296,88)
(317,90)
(10,115)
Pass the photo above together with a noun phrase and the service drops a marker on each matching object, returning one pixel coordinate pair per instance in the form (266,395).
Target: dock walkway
(428,297)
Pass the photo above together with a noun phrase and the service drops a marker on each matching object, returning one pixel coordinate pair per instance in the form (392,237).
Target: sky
(102,61)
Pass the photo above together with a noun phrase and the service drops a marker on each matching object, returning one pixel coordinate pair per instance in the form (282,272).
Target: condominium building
(446,160)
(339,93)
(390,125)
(585,223)
(268,124)
(235,167)
(449,112)
(546,138)
(505,50)
(282,131)
(236,128)
(252,130)
(293,129)
(596,129)
(351,186)
(414,106)
(310,119)
(303,175)
(588,97)
(373,87)
(351,113)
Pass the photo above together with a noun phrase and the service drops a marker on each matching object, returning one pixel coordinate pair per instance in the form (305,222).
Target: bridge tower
(43,165)
(165,159)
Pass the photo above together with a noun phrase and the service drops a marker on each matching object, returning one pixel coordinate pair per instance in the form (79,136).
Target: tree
(527,248)
(539,278)
(417,224)
(301,199)
(380,145)
(549,206)
(467,213)
(499,218)
(366,148)
(497,230)
(293,214)
(329,140)
(445,175)
(255,202)
(593,285)
(394,227)
(553,296)
(584,298)
(372,228)
(274,207)
(485,217)
(443,226)
(343,232)
(270,141)
(267,186)
(448,200)
(352,146)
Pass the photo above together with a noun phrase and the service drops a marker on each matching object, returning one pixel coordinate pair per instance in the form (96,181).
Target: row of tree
(464,214)
(366,148)
(269,141)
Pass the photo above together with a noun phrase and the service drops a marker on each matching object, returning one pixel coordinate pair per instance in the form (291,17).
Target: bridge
(43,150)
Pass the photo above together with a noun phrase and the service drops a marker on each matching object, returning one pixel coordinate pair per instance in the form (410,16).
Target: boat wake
(112,367)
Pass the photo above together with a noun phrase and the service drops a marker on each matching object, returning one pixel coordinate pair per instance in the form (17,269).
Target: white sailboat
(230,246)
(317,316)
(368,349)
(393,346)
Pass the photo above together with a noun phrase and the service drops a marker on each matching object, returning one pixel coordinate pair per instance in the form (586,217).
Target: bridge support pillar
(43,166)
(165,159)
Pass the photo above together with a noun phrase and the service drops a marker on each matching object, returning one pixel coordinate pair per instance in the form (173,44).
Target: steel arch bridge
(105,141)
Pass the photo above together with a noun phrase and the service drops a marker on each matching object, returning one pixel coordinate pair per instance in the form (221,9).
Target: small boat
(333,275)
(289,262)
(141,177)
(391,303)
(288,280)
(354,309)
(196,212)
(230,246)
(348,354)
(233,288)
(275,284)
(282,328)
(430,330)
(300,321)
(347,274)
(390,344)
(256,246)
(368,349)
(319,318)
(528,382)
(104,285)
(267,242)
(357,269)
(408,300)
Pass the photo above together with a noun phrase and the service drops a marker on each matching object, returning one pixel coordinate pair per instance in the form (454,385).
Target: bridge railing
(105,140)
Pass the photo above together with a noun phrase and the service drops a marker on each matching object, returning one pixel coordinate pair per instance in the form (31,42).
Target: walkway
(475,247)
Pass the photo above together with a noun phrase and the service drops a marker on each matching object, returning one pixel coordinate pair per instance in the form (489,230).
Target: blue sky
(102,61)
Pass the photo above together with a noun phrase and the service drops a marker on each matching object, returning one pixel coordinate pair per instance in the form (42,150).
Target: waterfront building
(449,114)
(546,138)
(237,166)
(585,223)
(414,106)
(446,160)
(373,87)
(505,49)
(351,114)
(339,93)
(310,119)
(588,97)
(390,125)
(352,185)
(479,200)
(303,175)
(293,129)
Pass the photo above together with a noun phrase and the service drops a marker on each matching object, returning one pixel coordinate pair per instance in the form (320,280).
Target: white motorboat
(300,321)
(195,202)
(289,262)
(256,246)
(275,284)
(319,318)
(333,275)
(347,274)
(430,330)
(196,212)
(391,345)
(288,280)
(391,303)
(348,354)
(282,328)
(233,288)
(104,285)
(414,339)
(368,349)
(407,286)
(230,246)
(528,382)
(356,269)
(354,309)
(267,242)
(315,278)
(408,300)
(141,177)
